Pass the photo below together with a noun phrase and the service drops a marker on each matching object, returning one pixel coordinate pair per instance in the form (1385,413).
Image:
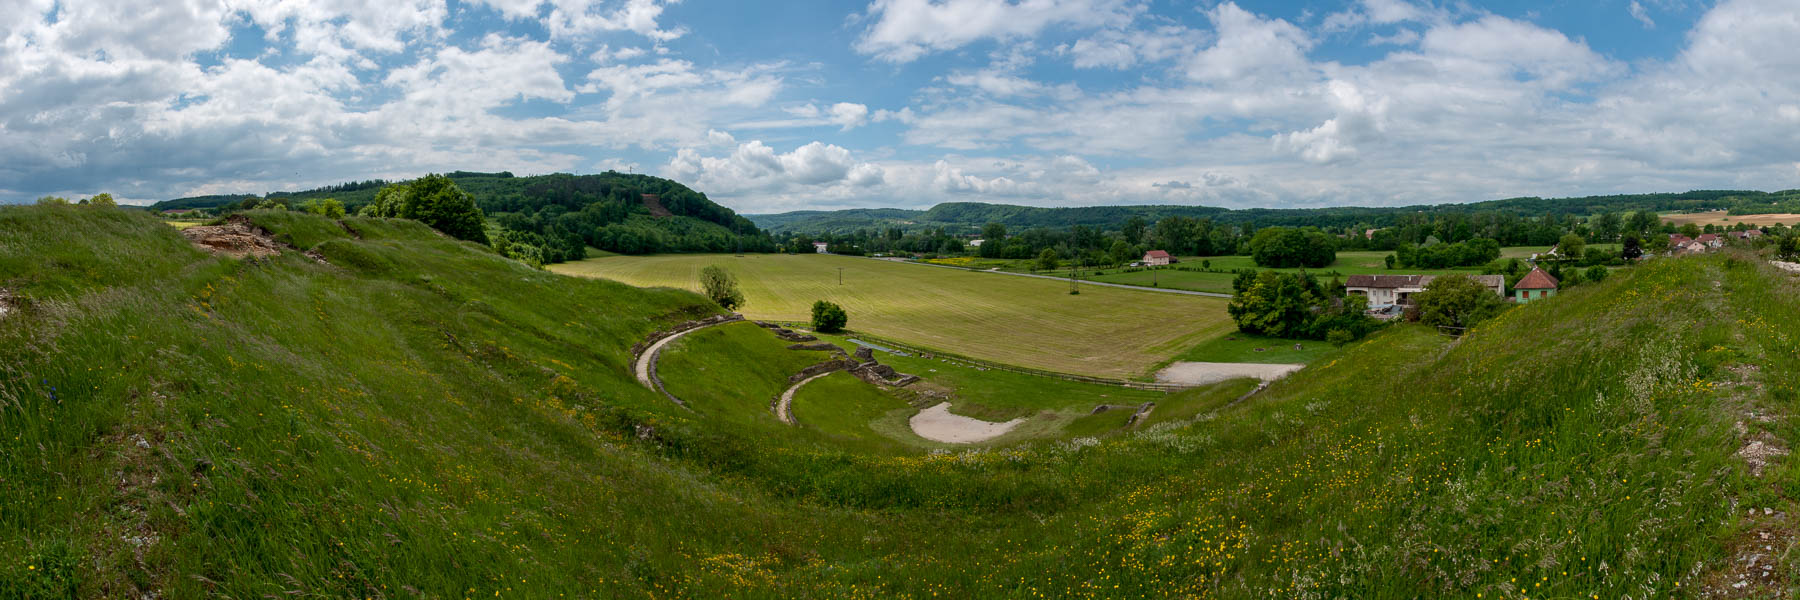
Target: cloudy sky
(774,106)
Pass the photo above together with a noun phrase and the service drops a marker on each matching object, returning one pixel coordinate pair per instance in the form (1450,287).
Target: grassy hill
(419,418)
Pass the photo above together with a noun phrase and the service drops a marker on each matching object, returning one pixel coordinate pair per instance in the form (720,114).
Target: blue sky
(818,104)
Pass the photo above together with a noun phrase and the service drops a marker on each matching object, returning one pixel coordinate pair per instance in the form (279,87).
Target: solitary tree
(1457,301)
(1597,273)
(828,317)
(1047,260)
(1571,246)
(103,199)
(721,287)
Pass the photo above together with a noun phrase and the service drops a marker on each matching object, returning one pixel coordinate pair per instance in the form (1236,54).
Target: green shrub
(828,317)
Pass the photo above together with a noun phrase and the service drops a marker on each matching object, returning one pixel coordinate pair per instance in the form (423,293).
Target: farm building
(1157,258)
(1383,290)
(1711,241)
(1535,285)
(1747,234)
(819,247)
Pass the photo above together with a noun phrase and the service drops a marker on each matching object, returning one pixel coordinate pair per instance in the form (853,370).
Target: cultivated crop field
(1719,217)
(1015,320)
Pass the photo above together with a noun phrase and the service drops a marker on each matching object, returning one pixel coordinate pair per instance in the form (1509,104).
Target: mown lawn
(1013,320)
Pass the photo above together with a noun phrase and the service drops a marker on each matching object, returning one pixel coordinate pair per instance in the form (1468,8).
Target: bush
(1340,338)
(1597,273)
(828,317)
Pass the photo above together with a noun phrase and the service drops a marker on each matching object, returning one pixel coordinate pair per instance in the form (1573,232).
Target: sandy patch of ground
(1203,373)
(938,424)
(1787,266)
(237,238)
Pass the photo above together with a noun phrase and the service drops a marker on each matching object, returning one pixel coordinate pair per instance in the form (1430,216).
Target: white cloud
(1642,15)
(1251,49)
(904,30)
(586,17)
(754,166)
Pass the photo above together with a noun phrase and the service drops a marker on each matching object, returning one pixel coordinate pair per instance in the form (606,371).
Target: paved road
(1083,282)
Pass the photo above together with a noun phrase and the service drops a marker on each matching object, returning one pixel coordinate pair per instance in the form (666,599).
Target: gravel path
(1203,373)
(938,424)
(784,409)
(646,362)
(1064,279)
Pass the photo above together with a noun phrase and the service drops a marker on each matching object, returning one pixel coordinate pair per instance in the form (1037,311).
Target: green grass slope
(422,419)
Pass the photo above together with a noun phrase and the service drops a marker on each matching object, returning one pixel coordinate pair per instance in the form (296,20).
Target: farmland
(1722,218)
(1022,321)
(1218,280)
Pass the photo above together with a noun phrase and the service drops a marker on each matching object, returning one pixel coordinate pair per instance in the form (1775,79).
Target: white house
(1156,258)
(1398,289)
(819,247)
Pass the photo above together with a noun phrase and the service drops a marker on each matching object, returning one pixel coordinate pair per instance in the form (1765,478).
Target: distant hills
(966,217)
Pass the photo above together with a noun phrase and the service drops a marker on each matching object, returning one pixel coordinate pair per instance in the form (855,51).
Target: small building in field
(1383,290)
(819,247)
(1155,258)
(1536,285)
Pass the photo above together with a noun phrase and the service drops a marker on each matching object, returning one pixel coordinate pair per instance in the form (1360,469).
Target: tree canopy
(1284,247)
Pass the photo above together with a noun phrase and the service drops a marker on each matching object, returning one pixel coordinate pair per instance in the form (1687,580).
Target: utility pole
(840,275)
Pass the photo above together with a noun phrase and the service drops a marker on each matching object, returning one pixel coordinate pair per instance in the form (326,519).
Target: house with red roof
(1536,285)
(1157,258)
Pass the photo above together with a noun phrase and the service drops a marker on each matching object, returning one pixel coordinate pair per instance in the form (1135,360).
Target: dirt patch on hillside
(653,202)
(1203,373)
(237,238)
(6,302)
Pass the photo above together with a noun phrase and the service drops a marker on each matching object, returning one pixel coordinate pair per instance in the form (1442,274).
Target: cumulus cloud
(904,30)
(756,166)
(1250,49)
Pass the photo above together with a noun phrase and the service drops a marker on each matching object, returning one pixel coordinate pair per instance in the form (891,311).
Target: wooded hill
(561,213)
(970,216)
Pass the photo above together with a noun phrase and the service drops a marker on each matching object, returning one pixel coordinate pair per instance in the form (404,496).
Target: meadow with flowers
(418,417)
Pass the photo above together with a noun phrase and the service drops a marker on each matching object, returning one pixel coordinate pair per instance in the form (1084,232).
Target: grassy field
(420,418)
(1247,348)
(1013,320)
